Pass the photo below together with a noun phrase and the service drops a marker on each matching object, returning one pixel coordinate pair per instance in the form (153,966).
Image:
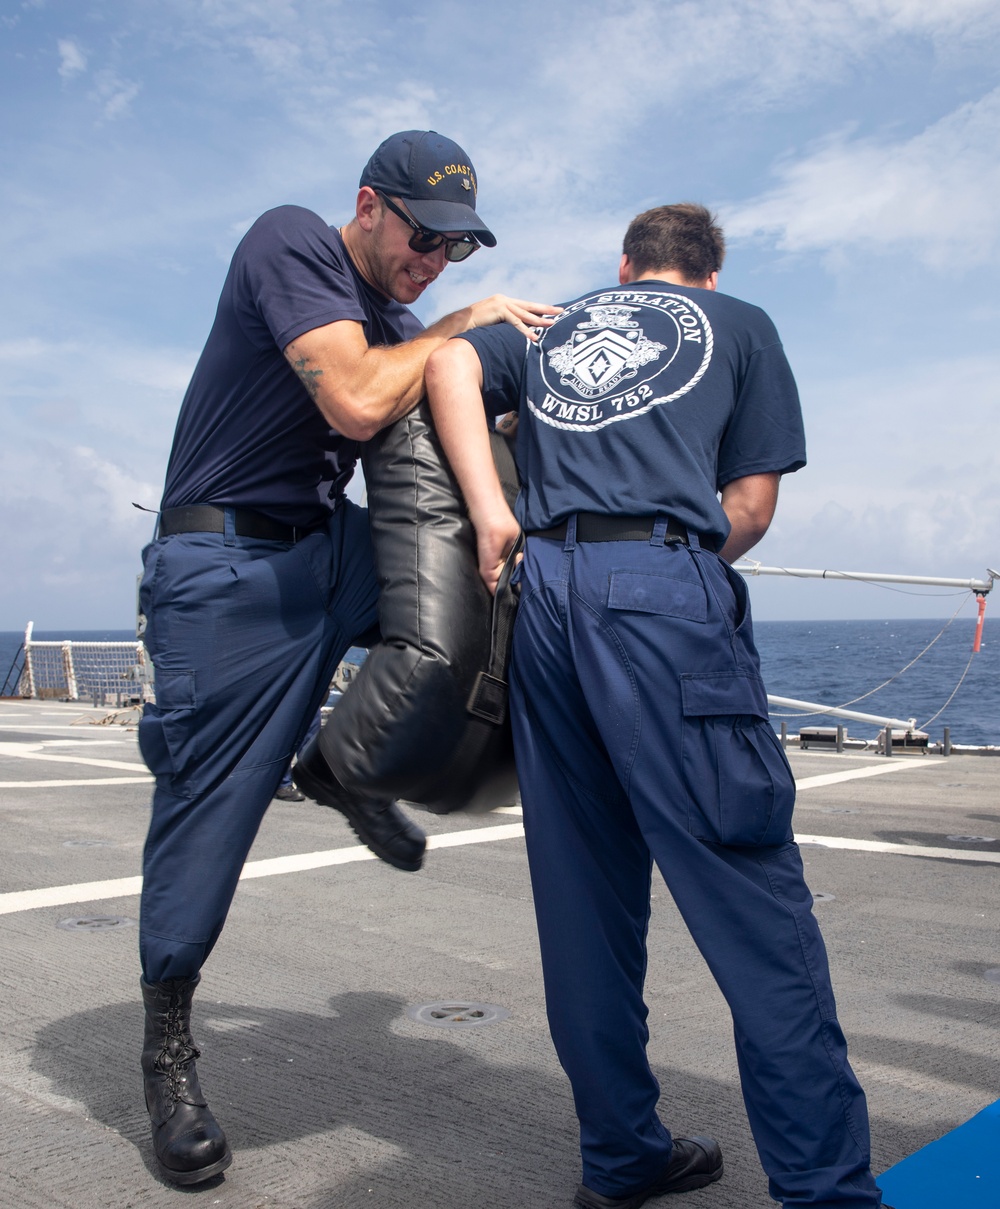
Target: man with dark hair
(261,575)
(685,236)
(640,720)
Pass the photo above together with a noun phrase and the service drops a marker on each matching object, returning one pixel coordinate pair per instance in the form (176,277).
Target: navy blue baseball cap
(434,177)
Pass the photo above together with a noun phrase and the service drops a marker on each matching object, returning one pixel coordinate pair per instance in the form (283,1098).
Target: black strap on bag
(488,699)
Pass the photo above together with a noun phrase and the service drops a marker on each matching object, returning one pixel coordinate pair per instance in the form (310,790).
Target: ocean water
(833,662)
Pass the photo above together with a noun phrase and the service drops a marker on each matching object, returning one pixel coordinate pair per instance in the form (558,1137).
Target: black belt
(596,527)
(208,518)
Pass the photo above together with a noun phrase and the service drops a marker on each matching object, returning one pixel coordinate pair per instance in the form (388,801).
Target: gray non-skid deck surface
(332,1097)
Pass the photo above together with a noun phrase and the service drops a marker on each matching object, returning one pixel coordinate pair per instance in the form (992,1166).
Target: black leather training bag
(425,719)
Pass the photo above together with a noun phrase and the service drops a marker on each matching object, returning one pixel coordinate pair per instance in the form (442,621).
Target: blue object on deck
(962,1169)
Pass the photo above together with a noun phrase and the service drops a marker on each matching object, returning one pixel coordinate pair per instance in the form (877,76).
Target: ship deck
(333,1095)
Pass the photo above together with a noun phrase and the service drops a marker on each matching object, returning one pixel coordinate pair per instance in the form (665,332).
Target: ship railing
(72,670)
(104,673)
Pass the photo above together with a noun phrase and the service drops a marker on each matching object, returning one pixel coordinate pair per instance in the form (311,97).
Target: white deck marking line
(948,854)
(456,839)
(35,744)
(853,774)
(15,749)
(830,841)
(830,778)
(58,896)
(343,856)
(62,896)
(124,887)
(146,780)
(817,782)
(100,728)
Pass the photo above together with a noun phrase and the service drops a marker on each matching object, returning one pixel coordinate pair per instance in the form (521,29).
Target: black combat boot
(377,822)
(189,1143)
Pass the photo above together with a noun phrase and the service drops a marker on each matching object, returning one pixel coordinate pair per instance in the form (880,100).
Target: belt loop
(694,541)
(229,525)
(659,535)
(570,542)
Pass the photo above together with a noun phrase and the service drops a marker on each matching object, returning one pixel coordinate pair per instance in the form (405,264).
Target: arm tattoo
(308,377)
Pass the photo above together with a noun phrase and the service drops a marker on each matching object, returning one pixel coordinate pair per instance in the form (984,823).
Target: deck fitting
(450,1013)
(972,839)
(95,923)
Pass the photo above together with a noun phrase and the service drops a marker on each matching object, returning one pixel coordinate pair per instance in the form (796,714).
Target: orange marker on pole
(979,625)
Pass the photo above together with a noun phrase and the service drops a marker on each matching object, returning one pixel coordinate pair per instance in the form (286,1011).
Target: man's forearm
(360,389)
(749,504)
(454,391)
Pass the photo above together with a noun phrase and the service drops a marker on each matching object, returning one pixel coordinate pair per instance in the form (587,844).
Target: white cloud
(903,474)
(116,489)
(277,55)
(62,362)
(412,106)
(23,350)
(88,428)
(72,537)
(115,94)
(760,53)
(276,14)
(550,132)
(955,17)
(122,399)
(72,60)
(933,195)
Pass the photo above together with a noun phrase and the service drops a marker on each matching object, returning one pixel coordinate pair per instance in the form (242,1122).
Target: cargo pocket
(167,734)
(740,786)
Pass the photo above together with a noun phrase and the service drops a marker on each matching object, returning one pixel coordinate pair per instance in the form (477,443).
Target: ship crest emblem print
(609,368)
(603,351)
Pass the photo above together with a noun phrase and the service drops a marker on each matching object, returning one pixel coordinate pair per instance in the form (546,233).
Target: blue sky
(849,146)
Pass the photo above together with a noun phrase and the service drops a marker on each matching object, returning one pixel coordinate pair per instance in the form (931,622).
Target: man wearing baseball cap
(260,575)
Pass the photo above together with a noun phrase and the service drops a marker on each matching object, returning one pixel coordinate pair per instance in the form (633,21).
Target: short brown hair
(684,238)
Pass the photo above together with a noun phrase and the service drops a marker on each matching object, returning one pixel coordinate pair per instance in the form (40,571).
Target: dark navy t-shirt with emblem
(248,433)
(643,399)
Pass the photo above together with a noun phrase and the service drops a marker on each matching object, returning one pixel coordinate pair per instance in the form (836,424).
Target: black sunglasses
(423,240)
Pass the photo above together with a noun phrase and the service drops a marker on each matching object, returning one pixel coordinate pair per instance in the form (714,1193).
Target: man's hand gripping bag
(425,719)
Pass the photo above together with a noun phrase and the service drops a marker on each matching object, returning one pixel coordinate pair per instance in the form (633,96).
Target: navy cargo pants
(641,735)
(244,635)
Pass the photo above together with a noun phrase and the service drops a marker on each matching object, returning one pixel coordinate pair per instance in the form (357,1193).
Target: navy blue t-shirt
(641,399)
(248,433)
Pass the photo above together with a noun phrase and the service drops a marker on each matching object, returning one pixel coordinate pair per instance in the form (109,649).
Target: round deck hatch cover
(451,1013)
(96,923)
